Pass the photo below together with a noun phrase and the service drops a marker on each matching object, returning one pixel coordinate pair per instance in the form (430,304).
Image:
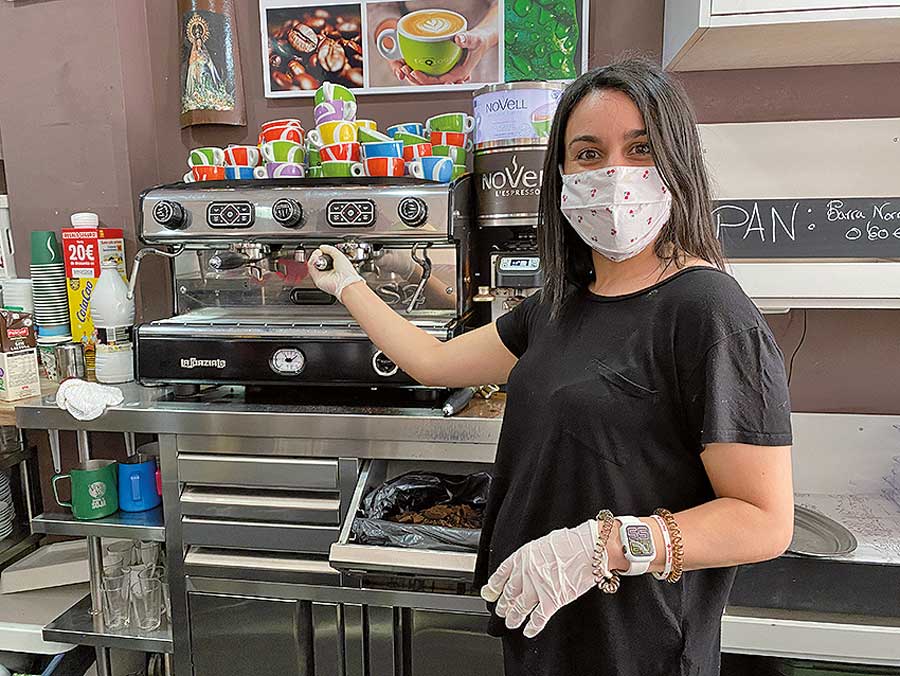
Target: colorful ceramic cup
(416,128)
(384,166)
(455,153)
(459,122)
(366,124)
(340,151)
(207,172)
(342,169)
(367,135)
(333,92)
(282,151)
(458,170)
(438,169)
(313,158)
(209,155)
(285,133)
(410,139)
(314,172)
(241,156)
(280,170)
(328,133)
(414,152)
(382,149)
(239,173)
(334,111)
(283,122)
(451,138)
(425,40)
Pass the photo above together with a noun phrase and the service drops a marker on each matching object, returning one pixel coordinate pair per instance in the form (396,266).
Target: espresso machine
(246,311)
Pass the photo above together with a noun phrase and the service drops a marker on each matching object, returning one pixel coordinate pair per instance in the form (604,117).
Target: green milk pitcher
(94,492)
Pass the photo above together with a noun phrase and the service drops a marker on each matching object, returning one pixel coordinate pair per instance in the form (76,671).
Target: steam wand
(137,264)
(425,263)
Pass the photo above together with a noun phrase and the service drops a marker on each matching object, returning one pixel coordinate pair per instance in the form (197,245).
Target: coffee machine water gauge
(287,361)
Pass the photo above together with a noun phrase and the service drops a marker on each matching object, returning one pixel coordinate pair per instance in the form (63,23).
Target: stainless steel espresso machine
(246,311)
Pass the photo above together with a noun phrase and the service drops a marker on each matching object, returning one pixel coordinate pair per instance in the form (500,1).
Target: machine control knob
(412,211)
(384,366)
(169,215)
(287,212)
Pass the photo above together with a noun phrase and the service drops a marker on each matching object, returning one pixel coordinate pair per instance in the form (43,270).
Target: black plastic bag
(415,491)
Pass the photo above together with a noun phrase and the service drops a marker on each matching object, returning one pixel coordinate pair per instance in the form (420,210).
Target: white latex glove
(86,401)
(542,576)
(341,275)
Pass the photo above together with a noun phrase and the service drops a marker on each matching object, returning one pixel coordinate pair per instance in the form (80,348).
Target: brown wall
(106,112)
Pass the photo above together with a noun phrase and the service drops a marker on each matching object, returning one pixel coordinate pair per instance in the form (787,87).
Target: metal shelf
(135,525)
(16,545)
(78,626)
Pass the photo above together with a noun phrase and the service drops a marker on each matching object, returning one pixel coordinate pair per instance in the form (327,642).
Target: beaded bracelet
(677,544)
(607,581)
(667,543)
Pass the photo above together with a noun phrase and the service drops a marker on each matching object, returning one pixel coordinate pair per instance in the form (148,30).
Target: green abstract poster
(544,39)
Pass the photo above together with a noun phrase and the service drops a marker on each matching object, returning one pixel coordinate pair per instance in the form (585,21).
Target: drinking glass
(124,550)
(146,602)
(115,600)
(158,573)
(147,553)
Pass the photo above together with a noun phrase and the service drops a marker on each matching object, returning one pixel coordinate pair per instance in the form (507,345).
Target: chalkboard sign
(834,227)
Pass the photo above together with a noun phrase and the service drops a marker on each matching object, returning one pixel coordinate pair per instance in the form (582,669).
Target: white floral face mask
(617,211)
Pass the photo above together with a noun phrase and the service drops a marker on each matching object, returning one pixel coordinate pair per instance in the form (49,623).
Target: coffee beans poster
(212,91)
(389,46)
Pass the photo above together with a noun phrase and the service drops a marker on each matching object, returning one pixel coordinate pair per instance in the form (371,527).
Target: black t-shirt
(609,406)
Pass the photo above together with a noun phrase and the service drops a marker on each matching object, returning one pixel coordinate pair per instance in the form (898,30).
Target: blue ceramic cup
(137,484)
(432,168)
(416,128)
(242,173)
(382,149)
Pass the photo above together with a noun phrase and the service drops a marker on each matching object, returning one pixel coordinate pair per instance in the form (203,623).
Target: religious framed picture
(212,90)
(385,46)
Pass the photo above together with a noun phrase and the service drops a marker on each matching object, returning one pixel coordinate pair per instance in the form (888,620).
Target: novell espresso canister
(508,183)
(516,112)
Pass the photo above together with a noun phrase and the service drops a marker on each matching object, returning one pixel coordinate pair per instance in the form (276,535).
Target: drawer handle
(257,460)
(192,521)
(243,500)
(200,557)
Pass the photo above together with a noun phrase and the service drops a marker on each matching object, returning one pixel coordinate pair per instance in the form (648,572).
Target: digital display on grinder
(524,264)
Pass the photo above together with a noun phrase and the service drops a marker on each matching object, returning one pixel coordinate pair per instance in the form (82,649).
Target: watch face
(640,540)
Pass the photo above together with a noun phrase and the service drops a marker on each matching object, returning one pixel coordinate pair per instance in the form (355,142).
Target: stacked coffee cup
(333,146)
(48,278)
(281,148)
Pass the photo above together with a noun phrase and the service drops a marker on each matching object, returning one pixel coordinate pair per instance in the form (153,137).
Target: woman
(641,377)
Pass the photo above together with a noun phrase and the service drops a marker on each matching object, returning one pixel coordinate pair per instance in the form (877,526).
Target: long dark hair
(672,130)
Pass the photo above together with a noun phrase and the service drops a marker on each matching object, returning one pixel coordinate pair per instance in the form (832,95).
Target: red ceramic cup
(343,152)
(242,156)
(384,166)
(449,138)
(416,151)
(208,172)
(281,123)
(282,132)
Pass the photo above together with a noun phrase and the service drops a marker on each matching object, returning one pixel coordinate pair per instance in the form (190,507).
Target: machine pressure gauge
(287,361)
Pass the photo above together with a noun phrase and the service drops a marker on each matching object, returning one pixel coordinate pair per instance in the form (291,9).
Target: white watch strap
(634,567)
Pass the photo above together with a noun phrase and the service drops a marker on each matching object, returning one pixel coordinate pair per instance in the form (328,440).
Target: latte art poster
(389,46)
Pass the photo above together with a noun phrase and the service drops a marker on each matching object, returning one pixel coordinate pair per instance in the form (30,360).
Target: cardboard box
(83,251)
(16,331)
(19,376)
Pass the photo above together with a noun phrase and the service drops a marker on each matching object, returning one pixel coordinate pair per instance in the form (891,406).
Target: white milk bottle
(113,315)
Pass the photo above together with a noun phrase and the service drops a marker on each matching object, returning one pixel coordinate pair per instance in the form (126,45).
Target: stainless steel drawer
(257,471)
(257,535)
(295,507)
(356,559)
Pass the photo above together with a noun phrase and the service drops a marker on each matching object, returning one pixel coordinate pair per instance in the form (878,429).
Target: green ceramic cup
(425,40)
(206,156)
(313,158)
(458,170)
(410,139)
(45,248)
(94,492)
(314,172)
(342,169)
(455,153)
(333,92)
(458,122)
(366,135)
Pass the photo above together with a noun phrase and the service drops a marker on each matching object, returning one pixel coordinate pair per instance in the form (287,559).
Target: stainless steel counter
(413,433)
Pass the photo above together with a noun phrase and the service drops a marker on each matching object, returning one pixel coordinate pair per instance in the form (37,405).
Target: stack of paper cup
(17,295)
(48,279)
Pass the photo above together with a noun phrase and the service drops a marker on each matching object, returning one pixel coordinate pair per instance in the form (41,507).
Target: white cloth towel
(86,401)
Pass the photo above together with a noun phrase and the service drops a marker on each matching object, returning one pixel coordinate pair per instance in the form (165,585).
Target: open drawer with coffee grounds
(414,518)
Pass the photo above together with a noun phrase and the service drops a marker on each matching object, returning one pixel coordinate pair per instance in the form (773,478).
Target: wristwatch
(637,545)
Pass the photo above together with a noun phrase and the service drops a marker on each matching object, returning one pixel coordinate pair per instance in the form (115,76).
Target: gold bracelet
(677,544)
(607,581)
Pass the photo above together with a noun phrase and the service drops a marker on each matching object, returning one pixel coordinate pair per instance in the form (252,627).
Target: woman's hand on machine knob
(338,277)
